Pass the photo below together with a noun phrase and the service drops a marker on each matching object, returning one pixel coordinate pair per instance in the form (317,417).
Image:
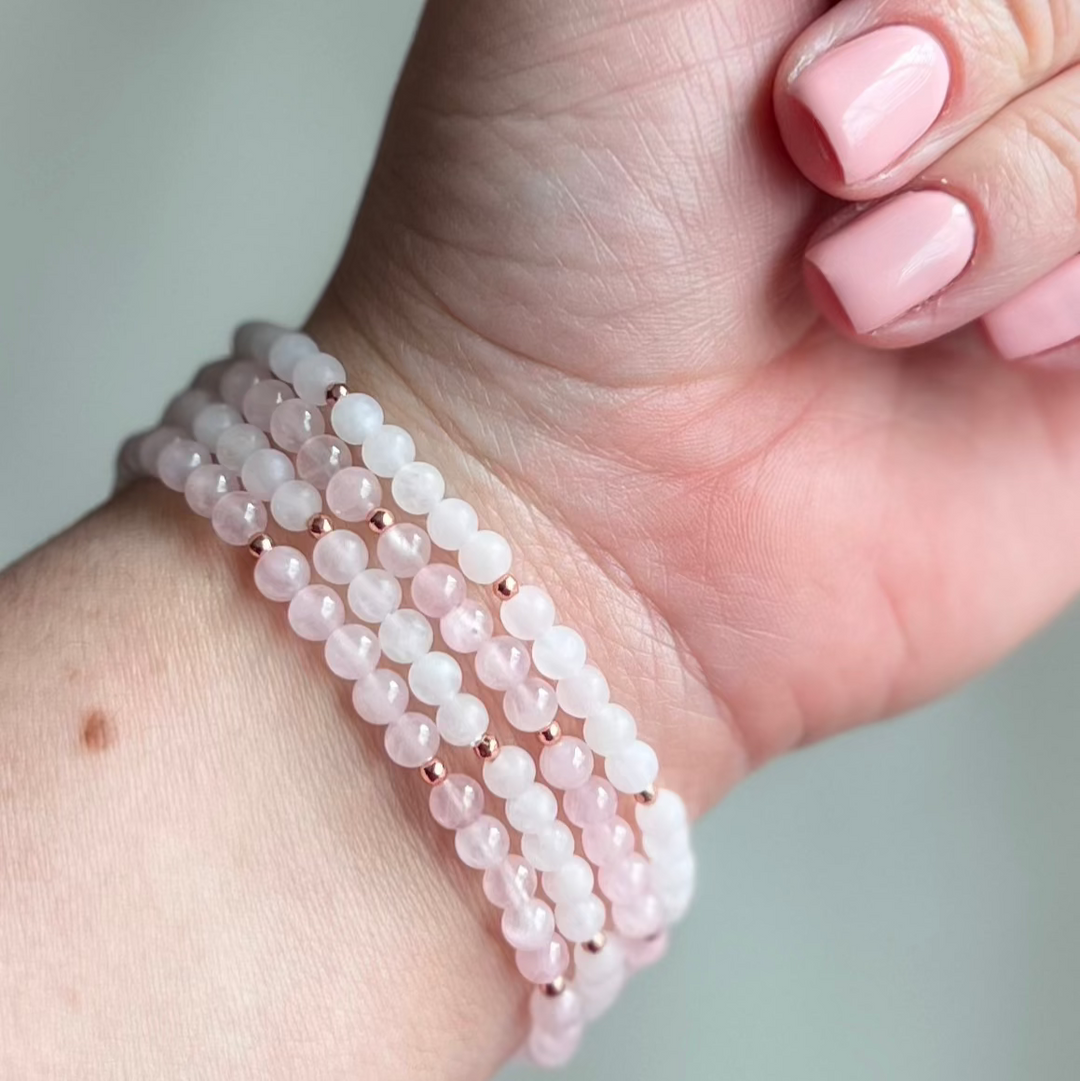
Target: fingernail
(895,257)
(1042,317)
(874,97)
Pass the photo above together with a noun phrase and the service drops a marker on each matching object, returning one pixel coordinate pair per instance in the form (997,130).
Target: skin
(575,279)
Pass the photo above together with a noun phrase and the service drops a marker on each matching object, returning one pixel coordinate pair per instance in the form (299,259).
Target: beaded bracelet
(215,446)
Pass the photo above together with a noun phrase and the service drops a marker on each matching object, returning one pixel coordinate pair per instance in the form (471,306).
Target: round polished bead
(403,549)
(387,449)
(626,879)
(529,614)
(178,459)
(595,801)
(510,883)
(316,612)
(374,594)
(207,484)
(598,967)
(353,493)
(151,445)
(482,844)
(262,399)
(674,868)
(580,920)
(510,773)
(356,417)
(321,458)
(485,557)
(437,589)
(529,925)
(548,849)
(456,803)
(634,768)
(545,964)
(238,443)
(638,918)
(666,846)
(339,556)
(294,503)
(502,663)
(463,718)
(583,694)
(411,740)
(451,523)
(255,338)
(572,881)
(213,420)
(435,678)
(286,351)
(532,810)
(530,706)
(610,730)
(567,764)
(380,697)
(553,1050)
(598,998)
(294,422)
(643,952)
(185,408)
(282,573)
(238,378)
(664,816)
(556,1013)
(352,651)
(405,635)
(237,517)
(314,375)
(608,842)
(559,652)
(266,471)
(467,627)
(675,900)
(417,487)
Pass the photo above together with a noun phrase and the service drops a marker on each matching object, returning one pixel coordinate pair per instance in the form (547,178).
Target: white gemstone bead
(597,999)
(293,423)
(529,614)
(237,517)
(580,920)
(374,594)
(483,844)
(339,556)
(669,846)
(485,557)
(212,420)
(462,720)
(510,773)
(255,339)
(380,697)
(238,443)
(321,458)
(530,706)
(178,459)
(634,769)
(262,399)
(281,573)
(435,678)
(670,870)
(583,694)
(405,635)
(664,816)
(571,882)
(528,926)
(185,407)
(567,764)
(610,730)
(403,549)
(207,484)
(412,740)
(387,449)
(451,523)
(286,351)
(353,493)
(294,503)
(355,417)
(418,487)
(502,663)
(559,652)
(316,612)
(265,471)
(352,651)
(593,969)
(548,849)
(553,1050)
(314,375)
(533,809)
(675,900)
(238,378)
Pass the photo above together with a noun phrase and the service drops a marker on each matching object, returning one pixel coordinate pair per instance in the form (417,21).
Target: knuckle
(1049,155)
(1044,34)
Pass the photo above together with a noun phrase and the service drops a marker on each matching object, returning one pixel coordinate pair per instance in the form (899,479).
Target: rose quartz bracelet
(215,446)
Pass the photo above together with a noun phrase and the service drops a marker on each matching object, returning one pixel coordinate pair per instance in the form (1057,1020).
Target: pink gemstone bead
(262,399)
(238,443)
(467,627)
(294,422)
(381,697)
(556,1013)
(567,764)
(178,459)
(151,445)
(353,493)
(294,503)
(207,484)
(502,662)
(403,549)
(212,421)
(483,844)
(237,517)
(595,969)
(624,880)
(265,471)
(643,952)
(374,594)
(185,407)
(531,705)
(457,802)
(545,964)
(352,651)
(510,883)
(598,998)
(608,842)
(340,556)
(437,589)
(321,458)
(595,801)
(238,378)
(553,1050)
(316,612)
(639,918)
(281,573)
(528,926)
(411,740)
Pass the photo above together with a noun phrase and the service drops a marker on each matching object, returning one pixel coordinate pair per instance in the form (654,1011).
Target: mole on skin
(97,733)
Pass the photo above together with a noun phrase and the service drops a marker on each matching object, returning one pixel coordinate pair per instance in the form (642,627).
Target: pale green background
(899,905)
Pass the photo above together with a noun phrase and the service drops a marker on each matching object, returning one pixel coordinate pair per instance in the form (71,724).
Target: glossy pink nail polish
(895,257)
(874,97)
(1044,316)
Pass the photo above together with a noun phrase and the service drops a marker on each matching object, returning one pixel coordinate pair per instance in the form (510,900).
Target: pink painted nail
(1042,317)
(895,257)
(874,97)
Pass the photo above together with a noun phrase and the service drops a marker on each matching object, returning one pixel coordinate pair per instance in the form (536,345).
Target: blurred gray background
(898,905)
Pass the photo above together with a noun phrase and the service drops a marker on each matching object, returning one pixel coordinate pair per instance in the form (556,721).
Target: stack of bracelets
(250,442)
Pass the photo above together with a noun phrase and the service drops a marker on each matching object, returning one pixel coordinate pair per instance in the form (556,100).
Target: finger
(1043,321)
(995,214)
(876,90)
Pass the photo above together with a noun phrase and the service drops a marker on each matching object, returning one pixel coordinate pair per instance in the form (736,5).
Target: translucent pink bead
(294,503)
(580,920)
(567,764)
(556,1013)
(340,556)
(178,459)
(598,998)
(294,422)
(549,848)
(467,627)
(315,613)
(462,720)
(583,694)
(593,969)
(545,964)
(355,417)
(437,589)
(281,573)
(531,705)
(643,952)
(374,594)
(237,517)
(633,769)
(238,378)
(286,351)
(626,879)
(411,740)
(381,697)
(207,484)
(353,493)
(151,445)
(482,844)
(529,614)
(352,651)
(608,842)
(595,801)
(502,662)
(553,1050)
(510,772)
(212,421)
(528,926)
(403,549)
(238,443)
(533,809)
(638,918)
(265,471)
(321,458)
(571,882)
(262,399)
(185,407)
(457,802)
(510,883)
(314,374)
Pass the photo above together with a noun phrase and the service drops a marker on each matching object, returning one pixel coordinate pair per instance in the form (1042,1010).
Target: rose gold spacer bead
(320,525)
(487,748)
(259,545)
(555,988)
(434,772)
(551,734)
(506,587)
(596,943)
(646,795)
(335,392)
(380,520)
